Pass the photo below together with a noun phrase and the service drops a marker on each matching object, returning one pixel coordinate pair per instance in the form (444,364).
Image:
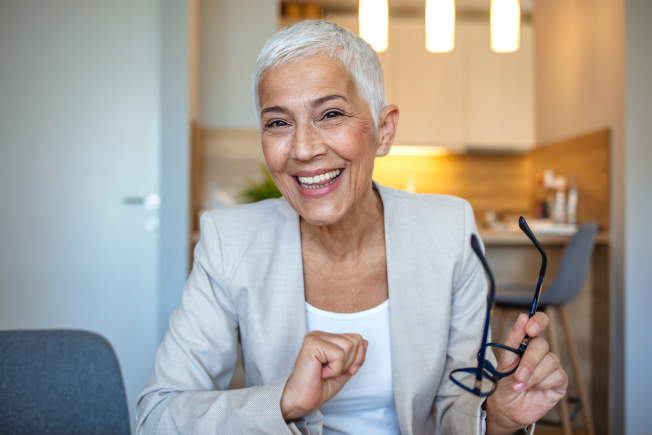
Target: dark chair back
(60,382)
(574,267)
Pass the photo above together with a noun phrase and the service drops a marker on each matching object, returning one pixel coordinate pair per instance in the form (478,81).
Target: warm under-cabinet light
(374,23)
(505,25)
(416,150)
(440,25)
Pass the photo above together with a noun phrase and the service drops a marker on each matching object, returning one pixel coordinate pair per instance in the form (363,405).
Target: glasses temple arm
(528,232)
(475,245)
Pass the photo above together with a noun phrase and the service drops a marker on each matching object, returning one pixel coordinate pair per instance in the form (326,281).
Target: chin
(321,215)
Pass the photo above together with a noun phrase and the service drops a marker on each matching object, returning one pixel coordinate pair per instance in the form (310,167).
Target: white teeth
(317,182)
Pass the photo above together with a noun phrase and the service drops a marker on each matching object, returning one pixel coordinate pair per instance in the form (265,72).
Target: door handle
(149,202)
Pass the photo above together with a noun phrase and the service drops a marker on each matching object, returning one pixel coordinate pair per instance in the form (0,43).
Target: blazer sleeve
(187,391)
(459,412)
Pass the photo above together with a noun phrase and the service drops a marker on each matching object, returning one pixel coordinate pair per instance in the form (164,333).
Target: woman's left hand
(539,383)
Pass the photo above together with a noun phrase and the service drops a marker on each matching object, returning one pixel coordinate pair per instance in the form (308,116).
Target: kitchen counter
(517,238)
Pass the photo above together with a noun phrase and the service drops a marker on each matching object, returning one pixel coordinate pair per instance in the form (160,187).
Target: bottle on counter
(571,209)
(559,208)
(545,194)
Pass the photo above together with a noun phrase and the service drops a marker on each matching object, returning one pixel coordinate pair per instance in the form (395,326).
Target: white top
(365,405)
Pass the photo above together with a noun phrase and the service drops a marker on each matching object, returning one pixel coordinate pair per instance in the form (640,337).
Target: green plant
(260,190)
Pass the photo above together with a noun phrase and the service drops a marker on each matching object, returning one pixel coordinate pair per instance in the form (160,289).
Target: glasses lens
(465,378)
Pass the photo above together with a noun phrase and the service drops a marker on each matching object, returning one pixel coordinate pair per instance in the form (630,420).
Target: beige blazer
(247,284)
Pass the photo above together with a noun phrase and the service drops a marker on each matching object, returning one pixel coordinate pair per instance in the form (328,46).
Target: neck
(362,225)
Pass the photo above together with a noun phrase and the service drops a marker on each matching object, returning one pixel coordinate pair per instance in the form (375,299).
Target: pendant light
(374,23)
(505,25)
(440,25)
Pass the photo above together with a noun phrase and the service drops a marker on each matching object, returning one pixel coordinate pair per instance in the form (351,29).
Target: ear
(387,130)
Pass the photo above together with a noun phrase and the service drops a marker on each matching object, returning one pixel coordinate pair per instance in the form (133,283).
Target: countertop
(514,238)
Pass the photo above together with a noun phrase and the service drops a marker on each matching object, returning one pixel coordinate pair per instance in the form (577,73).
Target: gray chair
(60,382)
(568,283)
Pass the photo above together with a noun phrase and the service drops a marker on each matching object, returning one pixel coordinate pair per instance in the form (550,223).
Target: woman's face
(319,138)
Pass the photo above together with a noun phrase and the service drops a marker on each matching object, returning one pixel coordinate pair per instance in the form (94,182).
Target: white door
(79,132)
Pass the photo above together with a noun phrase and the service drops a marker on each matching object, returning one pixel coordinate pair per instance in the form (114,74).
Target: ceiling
(474,5)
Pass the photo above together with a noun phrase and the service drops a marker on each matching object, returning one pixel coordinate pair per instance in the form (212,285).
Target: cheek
(276,156)
(358,144)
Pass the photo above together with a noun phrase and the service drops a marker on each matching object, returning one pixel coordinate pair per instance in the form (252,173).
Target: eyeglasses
(483,379)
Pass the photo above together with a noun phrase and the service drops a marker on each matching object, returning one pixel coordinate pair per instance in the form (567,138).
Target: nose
(308,143)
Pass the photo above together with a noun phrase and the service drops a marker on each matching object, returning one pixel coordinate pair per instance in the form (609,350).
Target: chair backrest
(574,267)
(60,382)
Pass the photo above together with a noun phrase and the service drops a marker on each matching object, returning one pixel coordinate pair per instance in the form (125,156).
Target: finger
(548,364)
(345,342)
(352,351)
(360,355)
(331,356)
(536,324)
(557,380)
(537,348)
(514,338)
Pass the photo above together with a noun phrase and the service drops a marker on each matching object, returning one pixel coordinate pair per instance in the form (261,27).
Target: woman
(353,302)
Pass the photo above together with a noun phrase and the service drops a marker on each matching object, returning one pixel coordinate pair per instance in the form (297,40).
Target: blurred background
(121,121)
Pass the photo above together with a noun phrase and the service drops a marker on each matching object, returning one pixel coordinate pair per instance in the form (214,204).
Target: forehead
(306,80)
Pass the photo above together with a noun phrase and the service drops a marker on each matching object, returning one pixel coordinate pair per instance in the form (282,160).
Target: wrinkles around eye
(276,123)
(331,114)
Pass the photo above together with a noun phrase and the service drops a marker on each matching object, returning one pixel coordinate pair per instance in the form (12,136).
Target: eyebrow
(274,109)
(314,103)
(322,100)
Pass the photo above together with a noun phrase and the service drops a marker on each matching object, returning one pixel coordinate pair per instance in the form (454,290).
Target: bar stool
(567,285)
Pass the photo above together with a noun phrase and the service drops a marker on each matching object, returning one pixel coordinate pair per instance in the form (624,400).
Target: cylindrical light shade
(374,23)
(505,25)
(440,25)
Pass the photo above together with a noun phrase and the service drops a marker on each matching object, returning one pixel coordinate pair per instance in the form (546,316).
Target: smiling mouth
(319,181)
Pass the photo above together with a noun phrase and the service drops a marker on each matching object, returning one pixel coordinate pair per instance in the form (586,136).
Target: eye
(276,123)
(332,114)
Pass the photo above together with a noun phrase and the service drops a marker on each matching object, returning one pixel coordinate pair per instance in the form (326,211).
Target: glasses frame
(485,369)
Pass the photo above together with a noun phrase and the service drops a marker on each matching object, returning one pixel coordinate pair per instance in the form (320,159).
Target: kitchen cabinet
(428,88)
(499,90)
(469,98)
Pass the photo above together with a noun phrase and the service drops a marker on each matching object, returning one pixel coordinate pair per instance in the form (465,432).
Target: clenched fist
(325,363)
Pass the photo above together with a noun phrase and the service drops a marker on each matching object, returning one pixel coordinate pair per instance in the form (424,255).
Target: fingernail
(519,386)
(534,329)
(354,369)
(366,344)
(522,373)
(519,322)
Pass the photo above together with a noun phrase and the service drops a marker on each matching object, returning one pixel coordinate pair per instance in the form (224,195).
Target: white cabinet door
(499,90)
(470,97)
(428,88)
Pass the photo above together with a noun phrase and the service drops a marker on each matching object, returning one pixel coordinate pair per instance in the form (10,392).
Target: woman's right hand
(325,363)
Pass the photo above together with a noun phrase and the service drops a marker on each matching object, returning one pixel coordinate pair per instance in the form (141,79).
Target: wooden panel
(196,174)
(487,181)
(233,157)
(600,333)
(586,159)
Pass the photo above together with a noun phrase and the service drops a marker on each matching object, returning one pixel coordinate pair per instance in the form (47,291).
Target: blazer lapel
(411,315)
(282,311)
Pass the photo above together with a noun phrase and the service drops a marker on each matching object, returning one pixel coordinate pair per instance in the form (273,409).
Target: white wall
(79,130)
(175,112)
(580,87)
(638,246)
(232,33)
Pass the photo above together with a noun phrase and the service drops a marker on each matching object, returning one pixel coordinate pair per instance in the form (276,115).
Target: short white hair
(318,37)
